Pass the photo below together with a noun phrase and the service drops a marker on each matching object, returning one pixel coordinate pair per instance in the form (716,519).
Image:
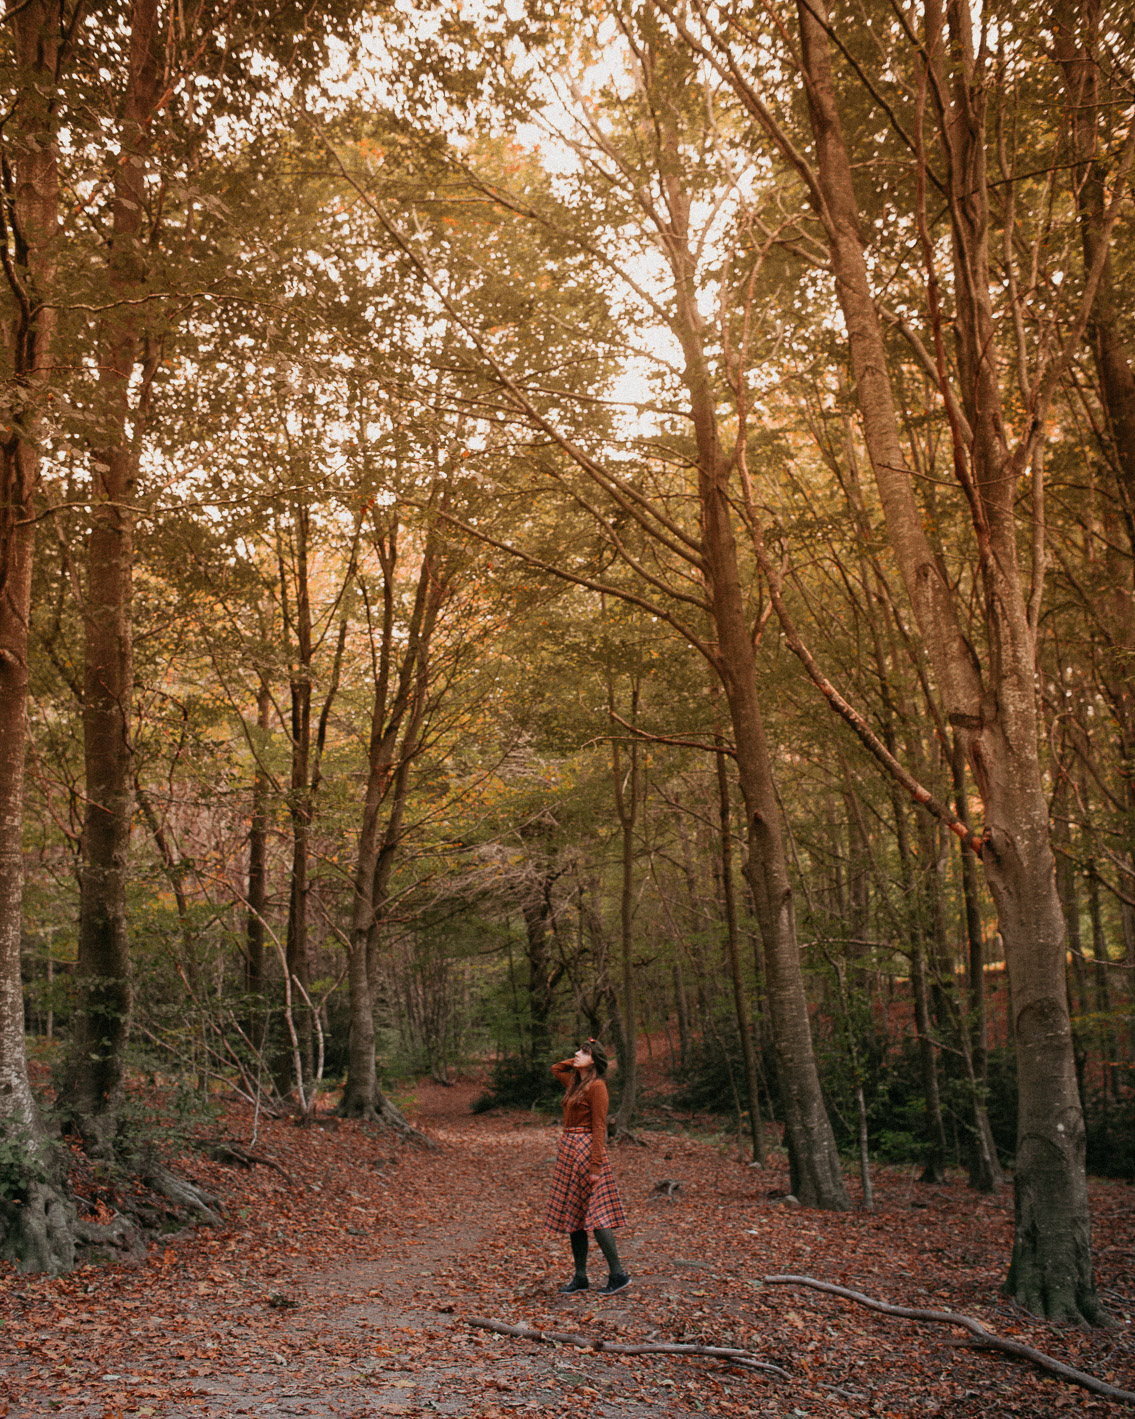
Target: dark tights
(605,1237)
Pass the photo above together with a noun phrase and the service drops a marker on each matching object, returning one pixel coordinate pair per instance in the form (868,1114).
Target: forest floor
(344,1285)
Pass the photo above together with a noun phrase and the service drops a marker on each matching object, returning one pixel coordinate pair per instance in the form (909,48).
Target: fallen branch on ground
(985,1339)
(743,1358)
(222,1150)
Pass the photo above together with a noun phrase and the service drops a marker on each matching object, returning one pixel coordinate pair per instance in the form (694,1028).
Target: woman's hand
(594,1178)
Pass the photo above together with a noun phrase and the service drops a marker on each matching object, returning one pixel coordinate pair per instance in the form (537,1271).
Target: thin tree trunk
(934,1169)
(255,982)
(626,808)
(536,909)
(814,1158)
(740,996)
(683,1011)
(985,1168)
(299,796)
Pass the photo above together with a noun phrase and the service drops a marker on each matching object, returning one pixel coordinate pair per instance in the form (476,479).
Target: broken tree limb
(985,1339)
(744,1358)
(223,1150)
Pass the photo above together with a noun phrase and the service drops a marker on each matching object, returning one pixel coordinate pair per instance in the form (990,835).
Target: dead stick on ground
(985,1338)
(744,1358)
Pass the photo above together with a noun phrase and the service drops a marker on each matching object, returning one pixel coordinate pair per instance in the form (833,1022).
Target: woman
(584,1196)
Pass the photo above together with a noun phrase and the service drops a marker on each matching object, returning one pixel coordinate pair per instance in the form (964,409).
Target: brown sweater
(586,1108)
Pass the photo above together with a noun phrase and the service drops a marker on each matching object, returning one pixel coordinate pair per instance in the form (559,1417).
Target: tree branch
(985,1338)
(745,1358)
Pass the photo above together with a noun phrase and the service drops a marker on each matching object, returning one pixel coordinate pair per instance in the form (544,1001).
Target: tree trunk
(299,797)
(1051,1271)
(255,980)
(536,909)
(683,1011)
(733,947)
(915,925)
(390,716)
(984,1168)
(814,1158)
(95,1080)
(934,1169)
(35,1218)
(626,807)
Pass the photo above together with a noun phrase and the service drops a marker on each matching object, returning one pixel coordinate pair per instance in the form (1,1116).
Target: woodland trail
(343,1289)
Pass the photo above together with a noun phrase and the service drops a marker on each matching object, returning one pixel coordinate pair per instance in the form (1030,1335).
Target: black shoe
(615,1283)
(577,1283)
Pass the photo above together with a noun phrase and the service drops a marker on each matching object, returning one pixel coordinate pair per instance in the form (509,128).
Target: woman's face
(582,1058)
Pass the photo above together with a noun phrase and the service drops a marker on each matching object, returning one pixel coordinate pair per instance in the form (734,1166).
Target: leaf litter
(342,1279)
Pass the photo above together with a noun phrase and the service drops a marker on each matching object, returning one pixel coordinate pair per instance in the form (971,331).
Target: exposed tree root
(745,1359)
(383,1113)
(390,1117)
(182,1192)
(118,1240)
(37,1233)
(985,1339)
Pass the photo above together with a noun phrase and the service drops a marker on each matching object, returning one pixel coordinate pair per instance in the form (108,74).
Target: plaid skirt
(576,1204)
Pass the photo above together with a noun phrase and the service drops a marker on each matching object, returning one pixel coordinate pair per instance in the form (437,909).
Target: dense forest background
(455,463)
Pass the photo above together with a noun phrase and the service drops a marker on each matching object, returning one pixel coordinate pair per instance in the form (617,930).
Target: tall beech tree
(654,157)
(986,680)
(401,659)
(34,1222)
(93,1090)
(167,85)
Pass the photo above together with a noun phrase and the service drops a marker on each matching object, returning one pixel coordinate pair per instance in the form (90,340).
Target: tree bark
(300,796)
(683,1011)
(733,949)
(35,1218)
(985,1168)
(626,809)
(255,978)
(95,1079)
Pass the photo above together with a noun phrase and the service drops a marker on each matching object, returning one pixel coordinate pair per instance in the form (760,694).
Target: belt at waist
(577,1128)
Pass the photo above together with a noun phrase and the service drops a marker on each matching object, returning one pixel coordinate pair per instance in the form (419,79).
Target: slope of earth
(342,1286)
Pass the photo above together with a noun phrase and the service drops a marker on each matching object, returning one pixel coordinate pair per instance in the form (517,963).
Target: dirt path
(344,1289)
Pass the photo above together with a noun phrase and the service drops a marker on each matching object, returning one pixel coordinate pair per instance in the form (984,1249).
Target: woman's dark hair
(599,1062)
(598,1056)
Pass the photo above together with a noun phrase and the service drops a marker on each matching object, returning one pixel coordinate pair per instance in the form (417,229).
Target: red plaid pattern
(575,1204)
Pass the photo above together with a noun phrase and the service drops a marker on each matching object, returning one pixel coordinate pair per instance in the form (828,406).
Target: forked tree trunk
(95,1078)
(392,715)
(992,709)
(35,1218)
